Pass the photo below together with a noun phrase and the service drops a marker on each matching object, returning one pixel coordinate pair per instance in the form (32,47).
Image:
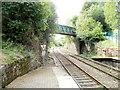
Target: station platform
(47,76)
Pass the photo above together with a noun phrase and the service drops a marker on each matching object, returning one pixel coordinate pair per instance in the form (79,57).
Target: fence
(113,36)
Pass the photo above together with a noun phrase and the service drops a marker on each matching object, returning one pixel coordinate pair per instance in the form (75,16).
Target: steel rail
(99,63)
(66,69)
(97,68)
(99,83)
(95,62)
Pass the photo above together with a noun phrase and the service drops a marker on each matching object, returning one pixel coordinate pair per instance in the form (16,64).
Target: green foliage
(90,30)
(22,20)
(111,14)
(12,52)
(107,44)
(52,18)
(90,24)
(25,23)
(88,55)
(72,21)
(68,40)
(87,5)
(57,43)
(97,13)
(95,18)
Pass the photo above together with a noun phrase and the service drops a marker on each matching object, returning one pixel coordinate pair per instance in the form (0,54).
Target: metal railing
(114,37)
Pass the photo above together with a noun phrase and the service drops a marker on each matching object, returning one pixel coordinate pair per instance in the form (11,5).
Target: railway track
(105,69)
(82,78)
(99,66)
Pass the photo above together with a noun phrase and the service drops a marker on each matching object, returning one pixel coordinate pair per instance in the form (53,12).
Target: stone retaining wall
(107,52)
(72,47)
(9,72)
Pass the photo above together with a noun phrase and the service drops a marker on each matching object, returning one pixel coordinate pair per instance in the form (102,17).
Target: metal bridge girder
(66,29)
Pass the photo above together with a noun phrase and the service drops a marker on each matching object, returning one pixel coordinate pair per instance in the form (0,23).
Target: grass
(11,52)
(88,55)
(102,44)
(107,44)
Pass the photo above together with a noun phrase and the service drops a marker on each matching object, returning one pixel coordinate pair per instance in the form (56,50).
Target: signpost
(43,52)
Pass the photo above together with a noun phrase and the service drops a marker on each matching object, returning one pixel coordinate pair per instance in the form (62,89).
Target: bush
(11,52)
(107,44)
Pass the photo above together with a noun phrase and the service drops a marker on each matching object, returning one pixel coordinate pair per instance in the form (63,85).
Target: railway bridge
(66,30)
(68,70)
(77,46)
(64,70)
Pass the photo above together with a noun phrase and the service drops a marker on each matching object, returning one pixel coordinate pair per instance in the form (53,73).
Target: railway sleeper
(108,70)
(76,71)
(80,75)
(80,72)
(92,87)
(85,81)
(79,78)
(89,85)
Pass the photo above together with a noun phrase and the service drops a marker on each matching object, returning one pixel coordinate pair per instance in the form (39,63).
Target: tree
(72,21)
(89,30)
(111,14)
(29,24)
(23,20)
(97,13)
(52,26)
(94,12)
(87,5)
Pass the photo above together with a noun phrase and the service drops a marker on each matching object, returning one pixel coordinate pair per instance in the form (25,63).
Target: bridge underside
(74,35)
(66,30)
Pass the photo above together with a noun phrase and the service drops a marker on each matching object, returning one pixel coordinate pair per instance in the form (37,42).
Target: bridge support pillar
(74,46)
(81,47)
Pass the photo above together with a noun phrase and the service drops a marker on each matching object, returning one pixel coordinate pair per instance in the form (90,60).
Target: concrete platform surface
(44,77)
(41,78)
(64,80)
(51,75)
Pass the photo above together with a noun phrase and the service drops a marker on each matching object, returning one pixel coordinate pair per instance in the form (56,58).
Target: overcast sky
(67,8)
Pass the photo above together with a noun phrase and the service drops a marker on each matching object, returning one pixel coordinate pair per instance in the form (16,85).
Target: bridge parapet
(66,30)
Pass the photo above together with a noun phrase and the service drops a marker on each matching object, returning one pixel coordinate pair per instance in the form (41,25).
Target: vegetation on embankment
(94,21)
(64,41)
(11,52)
(17,68)
(107,44)
(57,42)
(25,26)
(104,48)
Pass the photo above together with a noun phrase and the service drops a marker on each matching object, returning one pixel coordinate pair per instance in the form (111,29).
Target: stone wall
(72,47)
(79,47)
(107,52)
(9,72)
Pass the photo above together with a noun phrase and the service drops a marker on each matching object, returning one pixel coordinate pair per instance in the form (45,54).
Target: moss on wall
(13,70)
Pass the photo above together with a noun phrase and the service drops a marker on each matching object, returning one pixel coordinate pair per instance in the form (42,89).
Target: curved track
(99,66)
(82,78)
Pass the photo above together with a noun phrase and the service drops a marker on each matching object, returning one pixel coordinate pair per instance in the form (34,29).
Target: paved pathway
(40,78)
(49,76)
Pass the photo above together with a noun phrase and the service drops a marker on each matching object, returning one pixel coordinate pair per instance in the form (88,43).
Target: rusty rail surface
(81,77)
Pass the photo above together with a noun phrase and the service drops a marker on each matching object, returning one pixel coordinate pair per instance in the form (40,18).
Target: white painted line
(64,80)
